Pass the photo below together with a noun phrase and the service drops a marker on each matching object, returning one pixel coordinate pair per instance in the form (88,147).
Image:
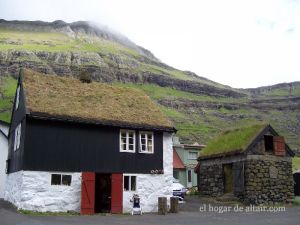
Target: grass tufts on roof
(232,140)
(69,97)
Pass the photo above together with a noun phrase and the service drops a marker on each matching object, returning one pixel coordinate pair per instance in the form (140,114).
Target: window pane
(126,183)
(55,179)
(131,141)
(19,136)
(189,176)
(123,135)
(193,155)
(149,146)
(143,147)
(143,141)
(66,180)
(17,97)
(123,140)
(130,134)
(131,147)
(175,174)
(15,140)
(133,183)
(123,143)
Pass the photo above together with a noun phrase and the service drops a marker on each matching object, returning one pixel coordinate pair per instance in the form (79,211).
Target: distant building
(4,127)
(184,162)
(252,164)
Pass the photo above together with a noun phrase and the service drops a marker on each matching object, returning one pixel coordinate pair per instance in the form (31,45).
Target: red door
(117,193)
(88,193)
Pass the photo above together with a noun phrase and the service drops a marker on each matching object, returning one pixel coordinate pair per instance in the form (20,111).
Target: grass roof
(230,141)
(69,97)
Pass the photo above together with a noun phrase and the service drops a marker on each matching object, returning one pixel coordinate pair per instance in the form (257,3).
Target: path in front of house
(188,216)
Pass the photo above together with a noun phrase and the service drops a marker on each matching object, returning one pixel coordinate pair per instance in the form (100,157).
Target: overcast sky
(239,43)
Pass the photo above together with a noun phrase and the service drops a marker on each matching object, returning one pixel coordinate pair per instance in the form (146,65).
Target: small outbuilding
(254,164)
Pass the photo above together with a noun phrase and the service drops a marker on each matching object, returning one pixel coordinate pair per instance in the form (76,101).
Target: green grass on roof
(232,140)
(69,97)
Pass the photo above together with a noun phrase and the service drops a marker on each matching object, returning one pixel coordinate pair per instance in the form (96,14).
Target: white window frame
(129,182)
(17,137)
(189,157)
(61,178)
(127,141)
(140,142)
(17,97)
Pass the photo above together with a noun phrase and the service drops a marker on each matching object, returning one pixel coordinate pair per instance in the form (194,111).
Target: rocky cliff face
(199,107)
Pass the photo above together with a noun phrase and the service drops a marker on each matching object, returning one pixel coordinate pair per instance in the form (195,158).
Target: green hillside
(199,108)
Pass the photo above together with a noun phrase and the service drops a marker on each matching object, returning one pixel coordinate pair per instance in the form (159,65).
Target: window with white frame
(129,183)
(193,155)
(127,141)
(61,179)
(146,142)
(17,137)
(17,97)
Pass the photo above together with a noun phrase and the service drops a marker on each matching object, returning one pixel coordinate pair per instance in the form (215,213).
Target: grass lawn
(34,213)
(7,89)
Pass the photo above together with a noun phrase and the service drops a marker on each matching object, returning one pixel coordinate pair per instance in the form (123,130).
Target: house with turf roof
(86,147)
(252,164)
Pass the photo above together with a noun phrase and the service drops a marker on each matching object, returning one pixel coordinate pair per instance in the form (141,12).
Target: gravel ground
(189,214)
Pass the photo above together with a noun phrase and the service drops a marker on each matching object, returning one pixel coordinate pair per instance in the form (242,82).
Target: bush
(85,77)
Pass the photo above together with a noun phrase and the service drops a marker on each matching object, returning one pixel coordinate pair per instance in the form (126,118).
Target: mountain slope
(199,108)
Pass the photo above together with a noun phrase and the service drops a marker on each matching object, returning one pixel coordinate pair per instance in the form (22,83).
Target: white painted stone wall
(4,129)
(150,187)
(32,190)
(3,158)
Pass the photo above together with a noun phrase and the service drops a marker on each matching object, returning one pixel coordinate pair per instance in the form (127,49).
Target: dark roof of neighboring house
(194,146)
(236,141)
(177,162)
(69,99)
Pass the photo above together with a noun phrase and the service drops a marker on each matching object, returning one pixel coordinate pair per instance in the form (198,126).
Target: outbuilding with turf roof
(252,164)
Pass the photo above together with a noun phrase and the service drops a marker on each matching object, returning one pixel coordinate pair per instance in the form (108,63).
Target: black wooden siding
(18,116)
(70,147)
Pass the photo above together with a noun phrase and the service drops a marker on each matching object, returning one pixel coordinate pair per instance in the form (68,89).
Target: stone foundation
(32,190)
